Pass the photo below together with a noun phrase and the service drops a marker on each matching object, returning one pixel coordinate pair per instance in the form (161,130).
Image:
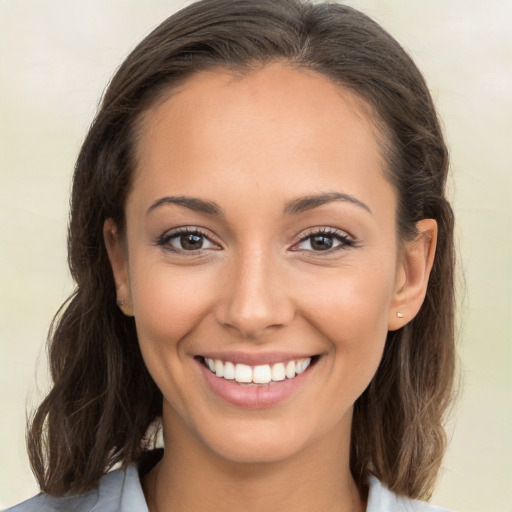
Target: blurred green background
(56,56)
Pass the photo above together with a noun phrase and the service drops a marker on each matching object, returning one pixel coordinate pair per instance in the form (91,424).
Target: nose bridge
(256,297)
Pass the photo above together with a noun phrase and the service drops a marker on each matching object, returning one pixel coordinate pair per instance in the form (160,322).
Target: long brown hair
(103,398)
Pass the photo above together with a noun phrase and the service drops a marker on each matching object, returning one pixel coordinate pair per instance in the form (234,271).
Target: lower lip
(254,396)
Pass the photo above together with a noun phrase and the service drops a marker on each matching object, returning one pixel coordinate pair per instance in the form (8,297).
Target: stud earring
(120,302)
(399,314)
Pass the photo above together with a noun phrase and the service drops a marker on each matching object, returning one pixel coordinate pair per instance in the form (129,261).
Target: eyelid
(347,240)
(164,239)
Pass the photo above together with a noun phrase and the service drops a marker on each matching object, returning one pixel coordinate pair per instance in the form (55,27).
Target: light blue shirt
(121,491)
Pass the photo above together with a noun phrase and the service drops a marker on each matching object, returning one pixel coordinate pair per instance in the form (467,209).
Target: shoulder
(117,491)
(381,499)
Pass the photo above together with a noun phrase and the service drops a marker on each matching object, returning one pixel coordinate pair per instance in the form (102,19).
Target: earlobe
(119,264)
(413,274)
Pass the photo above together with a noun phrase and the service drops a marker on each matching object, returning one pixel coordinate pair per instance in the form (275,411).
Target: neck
(192,477)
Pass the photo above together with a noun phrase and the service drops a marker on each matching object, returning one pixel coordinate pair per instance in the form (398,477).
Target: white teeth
(278,372)
(243,373)
(219,368)
(260,374)
(290,369)
(229,370)
(302,365)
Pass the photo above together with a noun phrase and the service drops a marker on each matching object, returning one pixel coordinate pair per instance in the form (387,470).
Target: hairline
(354,98)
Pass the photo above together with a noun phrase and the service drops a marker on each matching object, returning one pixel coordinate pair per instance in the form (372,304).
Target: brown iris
(321,242)
(191,241)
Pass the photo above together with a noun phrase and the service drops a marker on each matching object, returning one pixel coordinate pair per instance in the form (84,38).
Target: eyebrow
(192,203)
(305,203)
(293,207)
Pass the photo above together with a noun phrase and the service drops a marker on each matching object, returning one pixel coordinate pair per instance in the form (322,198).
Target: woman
(264,260)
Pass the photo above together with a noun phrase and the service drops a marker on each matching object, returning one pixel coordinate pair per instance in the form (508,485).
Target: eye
(186,240)
(324,240)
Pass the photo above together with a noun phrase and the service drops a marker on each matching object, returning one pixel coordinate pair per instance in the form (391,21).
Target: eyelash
(165,239)
(345,241)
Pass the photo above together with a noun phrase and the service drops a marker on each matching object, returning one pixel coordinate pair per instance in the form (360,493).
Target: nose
(255,298)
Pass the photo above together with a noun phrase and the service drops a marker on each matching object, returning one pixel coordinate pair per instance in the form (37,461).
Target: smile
(255,381)
(260,374)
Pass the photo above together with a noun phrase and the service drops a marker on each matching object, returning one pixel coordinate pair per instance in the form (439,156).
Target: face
(260,259)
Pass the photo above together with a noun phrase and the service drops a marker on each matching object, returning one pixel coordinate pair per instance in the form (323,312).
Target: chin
(257,447)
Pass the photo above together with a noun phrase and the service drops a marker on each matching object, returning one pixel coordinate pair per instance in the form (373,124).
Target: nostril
(254,325)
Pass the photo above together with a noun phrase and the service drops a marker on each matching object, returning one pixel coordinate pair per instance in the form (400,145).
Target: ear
(117,254)
(412,274)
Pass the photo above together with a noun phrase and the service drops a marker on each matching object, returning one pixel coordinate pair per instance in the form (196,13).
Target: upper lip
(257,358)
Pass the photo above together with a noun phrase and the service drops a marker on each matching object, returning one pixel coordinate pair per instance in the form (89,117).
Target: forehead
(276,126)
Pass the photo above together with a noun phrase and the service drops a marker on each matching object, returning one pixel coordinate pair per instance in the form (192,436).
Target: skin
(253,144)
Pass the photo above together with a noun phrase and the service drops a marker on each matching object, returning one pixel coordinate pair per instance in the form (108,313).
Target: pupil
(191,241)
(321,242)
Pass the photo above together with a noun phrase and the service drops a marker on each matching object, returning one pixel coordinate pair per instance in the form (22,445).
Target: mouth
(266,384)
(258,375)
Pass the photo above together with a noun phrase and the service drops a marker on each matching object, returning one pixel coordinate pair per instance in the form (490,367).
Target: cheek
(353,298)
(169,305)
(350,310)
(169,302)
